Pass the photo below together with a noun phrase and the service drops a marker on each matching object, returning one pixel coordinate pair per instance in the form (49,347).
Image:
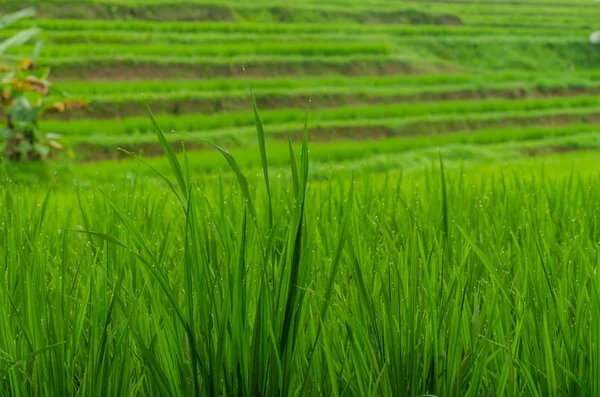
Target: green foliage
(370,270)
(24,99)
(17,38)
(25,95)
(446,284)
(398,118)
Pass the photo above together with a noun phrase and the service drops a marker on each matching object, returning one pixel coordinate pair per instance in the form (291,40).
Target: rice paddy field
(408,205)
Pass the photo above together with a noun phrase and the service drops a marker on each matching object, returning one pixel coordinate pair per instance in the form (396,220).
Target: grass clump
(447,284)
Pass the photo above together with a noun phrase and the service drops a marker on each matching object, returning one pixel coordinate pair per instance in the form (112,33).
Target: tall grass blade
(336,260)
(28,357)
(161,176)
(293,167)
(243,182)
(260,131)
(169,153)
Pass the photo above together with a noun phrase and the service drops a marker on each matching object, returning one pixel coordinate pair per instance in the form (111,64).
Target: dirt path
(107,110)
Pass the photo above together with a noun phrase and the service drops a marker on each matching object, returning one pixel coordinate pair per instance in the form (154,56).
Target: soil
(217,105)
(87,152)
(544,151)
(158,12)
(128,70)
(206,12)
(510,3)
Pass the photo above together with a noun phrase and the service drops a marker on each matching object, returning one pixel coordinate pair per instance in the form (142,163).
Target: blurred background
(398,76)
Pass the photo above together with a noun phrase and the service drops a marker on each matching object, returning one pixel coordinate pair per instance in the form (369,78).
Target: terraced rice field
(372,70)
(437,234)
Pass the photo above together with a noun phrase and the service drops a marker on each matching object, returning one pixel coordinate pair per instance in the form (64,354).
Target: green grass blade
(243,182)
(337,257)
(293,167)
(29,356)
(102,236)
(260,131)
(161,176)
(169,153)
(304,160)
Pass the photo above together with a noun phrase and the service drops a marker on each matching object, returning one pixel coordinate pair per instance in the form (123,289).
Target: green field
(419,217)
(194,61)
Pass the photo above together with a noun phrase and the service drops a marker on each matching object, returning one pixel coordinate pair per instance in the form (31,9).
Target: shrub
(26,94)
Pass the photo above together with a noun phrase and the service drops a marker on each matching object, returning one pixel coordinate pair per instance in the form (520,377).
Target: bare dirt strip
(111,110)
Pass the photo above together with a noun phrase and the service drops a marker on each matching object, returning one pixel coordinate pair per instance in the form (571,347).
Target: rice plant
(278,284)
